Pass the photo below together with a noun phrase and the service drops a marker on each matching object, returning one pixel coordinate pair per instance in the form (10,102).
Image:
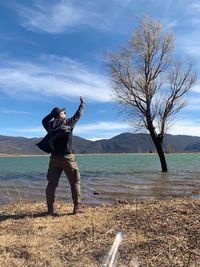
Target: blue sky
(52,52)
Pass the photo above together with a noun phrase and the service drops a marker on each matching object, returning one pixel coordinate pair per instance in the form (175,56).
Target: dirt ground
(155,233)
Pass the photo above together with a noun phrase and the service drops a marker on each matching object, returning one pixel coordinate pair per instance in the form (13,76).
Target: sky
(52,52)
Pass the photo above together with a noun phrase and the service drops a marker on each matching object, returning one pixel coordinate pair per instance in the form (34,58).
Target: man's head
(58,113)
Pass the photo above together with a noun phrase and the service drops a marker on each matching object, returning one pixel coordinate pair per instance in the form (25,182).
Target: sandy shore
(155,233)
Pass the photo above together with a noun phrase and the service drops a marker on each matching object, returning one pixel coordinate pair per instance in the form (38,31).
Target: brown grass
(155,233)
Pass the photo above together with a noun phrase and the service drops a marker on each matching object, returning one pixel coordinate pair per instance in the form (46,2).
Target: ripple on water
(113,176)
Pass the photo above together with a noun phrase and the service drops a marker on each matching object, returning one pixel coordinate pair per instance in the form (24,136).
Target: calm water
(119,176)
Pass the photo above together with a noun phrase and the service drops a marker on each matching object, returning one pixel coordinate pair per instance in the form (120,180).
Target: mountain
(123,143)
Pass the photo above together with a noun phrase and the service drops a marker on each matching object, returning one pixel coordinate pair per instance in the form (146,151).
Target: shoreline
(186,189)
(4,155)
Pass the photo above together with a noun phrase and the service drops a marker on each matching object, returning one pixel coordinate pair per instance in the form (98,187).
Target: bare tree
(149,82)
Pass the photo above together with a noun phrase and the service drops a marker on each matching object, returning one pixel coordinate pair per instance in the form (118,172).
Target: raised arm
(72,121)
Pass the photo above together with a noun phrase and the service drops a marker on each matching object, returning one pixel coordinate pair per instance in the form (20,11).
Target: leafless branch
(147,79)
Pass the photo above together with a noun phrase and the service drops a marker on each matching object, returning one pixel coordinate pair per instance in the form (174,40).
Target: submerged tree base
(155,233)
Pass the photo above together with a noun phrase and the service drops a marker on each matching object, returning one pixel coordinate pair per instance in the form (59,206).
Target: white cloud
(101,130)
(92,131)
(103,126)
(186,128)
(97,138)
(60,16)
(194,99)
(24,132)
(124,2)
(195,6)
(196,88)
(190,47)
(106,130)
(16,112)
(30,130)
(169,25)
(53,76)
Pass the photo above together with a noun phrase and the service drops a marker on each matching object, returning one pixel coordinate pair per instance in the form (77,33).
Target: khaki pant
(57,164)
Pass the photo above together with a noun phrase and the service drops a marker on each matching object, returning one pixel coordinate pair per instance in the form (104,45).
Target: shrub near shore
(155,233)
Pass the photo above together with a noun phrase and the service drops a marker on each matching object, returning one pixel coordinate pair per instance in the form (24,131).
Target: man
(59,138)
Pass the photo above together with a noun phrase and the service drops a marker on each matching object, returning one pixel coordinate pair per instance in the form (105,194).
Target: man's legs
(71,170)
(53,176)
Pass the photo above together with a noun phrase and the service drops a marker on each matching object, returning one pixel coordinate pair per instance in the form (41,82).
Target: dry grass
(155,233)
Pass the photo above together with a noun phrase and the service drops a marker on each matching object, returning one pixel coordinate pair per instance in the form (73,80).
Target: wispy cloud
(124,2)
(191,47)
(53,76)
(103,126)
(195,6)
(16,112)
(186,128)
(101,130)
(105,130)
(59,16)
(100,127)
(169,25)
(92,131)
(68,15)
(196,88)
(25,132)
(193,103)
(30,130)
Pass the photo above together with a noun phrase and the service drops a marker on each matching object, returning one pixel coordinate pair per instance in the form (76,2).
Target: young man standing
(59,138)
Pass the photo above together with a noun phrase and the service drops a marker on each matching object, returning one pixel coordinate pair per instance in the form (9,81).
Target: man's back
(60,132)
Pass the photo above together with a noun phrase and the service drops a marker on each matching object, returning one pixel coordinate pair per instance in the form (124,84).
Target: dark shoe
(50,210)
(77,209)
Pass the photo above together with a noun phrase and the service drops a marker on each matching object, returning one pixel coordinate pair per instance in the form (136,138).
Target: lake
(104,178)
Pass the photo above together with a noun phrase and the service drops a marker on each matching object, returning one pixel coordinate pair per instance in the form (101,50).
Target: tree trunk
(158,144)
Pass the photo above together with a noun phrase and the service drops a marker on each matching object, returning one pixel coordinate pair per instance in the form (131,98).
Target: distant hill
(123,143)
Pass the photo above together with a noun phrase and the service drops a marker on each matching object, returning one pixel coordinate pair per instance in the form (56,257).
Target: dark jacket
(58,141)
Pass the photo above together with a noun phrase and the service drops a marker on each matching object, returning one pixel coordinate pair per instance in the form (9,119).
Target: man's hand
(82,100)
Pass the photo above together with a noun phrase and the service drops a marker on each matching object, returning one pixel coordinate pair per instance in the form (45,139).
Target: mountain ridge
(122,143)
